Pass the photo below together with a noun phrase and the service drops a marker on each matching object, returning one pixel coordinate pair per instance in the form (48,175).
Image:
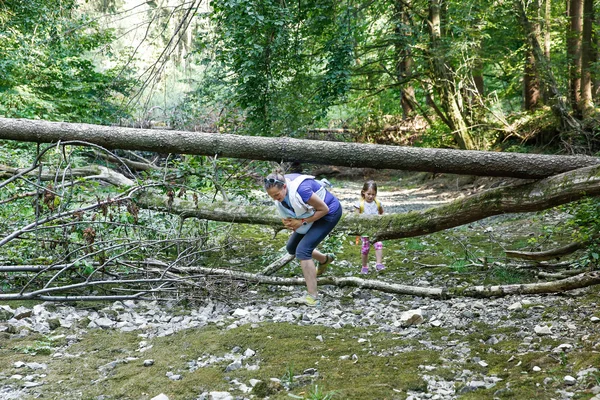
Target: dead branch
(548,254)
(98,172)
(277,264)
(579,281)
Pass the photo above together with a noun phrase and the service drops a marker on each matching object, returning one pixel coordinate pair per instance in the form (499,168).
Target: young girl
(369,205)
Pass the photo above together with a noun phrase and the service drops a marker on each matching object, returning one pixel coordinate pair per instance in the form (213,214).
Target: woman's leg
(310,276)
(306,248)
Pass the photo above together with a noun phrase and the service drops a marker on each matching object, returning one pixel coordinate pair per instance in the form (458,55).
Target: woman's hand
(292,223)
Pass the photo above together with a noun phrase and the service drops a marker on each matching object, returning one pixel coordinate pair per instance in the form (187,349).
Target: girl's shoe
(379,267)
(322,267)
(364,270)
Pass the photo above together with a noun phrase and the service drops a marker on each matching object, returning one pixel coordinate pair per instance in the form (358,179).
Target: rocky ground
(560,330)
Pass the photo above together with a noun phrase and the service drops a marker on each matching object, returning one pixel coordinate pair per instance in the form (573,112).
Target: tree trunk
(527,197)
(586,104)
(547,42)
(531,82)
(403,57)
(574,53)
(480,163)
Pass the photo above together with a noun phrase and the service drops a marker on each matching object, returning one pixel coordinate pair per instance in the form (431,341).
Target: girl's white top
(369,208)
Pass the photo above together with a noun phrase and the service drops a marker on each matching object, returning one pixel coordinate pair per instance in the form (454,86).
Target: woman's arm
(321,210)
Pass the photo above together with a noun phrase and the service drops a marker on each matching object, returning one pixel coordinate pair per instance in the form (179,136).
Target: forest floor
(247,342)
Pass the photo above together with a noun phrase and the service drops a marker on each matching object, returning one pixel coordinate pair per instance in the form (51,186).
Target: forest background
(507,76)
(484,75)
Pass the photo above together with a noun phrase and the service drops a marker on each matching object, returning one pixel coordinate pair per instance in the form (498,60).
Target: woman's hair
(368,185)
(275,179)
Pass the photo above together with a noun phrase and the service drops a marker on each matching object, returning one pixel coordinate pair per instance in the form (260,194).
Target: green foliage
(586,225)
(334,243)
(46,69)
(318,394)
(437,136)
(285,63)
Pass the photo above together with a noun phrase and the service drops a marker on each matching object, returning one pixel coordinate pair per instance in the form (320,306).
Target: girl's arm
(380,209)
(321,210)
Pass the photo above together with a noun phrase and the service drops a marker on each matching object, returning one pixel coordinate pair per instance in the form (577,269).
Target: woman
(311,212)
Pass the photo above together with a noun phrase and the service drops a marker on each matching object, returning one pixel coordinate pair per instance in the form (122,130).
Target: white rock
(220,396)
(104,322)
(569,380)
(536,369)
(161,396)
(253,382)
(563,348)
(542,330)
(240,312)
(411,317)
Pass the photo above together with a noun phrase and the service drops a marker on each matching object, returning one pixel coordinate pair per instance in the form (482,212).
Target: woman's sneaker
(364,270)
(379,267)
(322,267)
(307,299)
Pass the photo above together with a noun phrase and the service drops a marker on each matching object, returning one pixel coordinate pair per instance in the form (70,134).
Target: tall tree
(531,81)
(574,53)
(587,56)
(404,60)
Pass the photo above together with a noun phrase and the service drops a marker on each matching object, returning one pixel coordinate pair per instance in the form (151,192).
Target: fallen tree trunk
(479,163)
(527,197)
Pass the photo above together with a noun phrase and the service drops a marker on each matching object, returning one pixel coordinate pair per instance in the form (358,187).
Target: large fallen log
(526,197)
(479,163)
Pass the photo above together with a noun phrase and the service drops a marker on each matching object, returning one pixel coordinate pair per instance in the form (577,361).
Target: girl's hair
(275,179)
(368,185)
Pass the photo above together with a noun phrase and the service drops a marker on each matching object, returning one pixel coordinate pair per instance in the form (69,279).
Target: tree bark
(533,196)
(480,163)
